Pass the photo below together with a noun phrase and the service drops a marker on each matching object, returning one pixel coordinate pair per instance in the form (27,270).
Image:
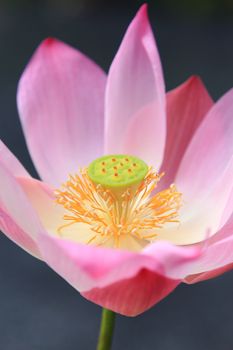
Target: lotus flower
(179,226)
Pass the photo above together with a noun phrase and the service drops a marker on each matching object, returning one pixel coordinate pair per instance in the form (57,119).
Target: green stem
(106,330)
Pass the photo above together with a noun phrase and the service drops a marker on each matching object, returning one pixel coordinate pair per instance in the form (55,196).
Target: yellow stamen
(136,214)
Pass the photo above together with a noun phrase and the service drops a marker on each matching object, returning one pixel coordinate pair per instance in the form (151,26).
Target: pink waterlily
(72,113)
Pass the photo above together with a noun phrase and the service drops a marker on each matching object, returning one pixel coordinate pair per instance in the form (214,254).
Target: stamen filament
(134,214)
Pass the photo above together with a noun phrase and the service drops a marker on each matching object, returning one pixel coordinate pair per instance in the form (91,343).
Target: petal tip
(143,9)
(142,14)
(195,80)
(48,42)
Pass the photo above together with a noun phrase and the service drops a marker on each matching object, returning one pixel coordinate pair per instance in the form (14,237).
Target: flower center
(112,197)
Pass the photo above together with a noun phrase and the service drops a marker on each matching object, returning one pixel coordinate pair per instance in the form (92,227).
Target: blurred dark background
(39,310)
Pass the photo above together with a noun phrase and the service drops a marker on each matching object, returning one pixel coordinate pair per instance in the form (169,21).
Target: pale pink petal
(140,137)
(18,220)
(202,213)
(16,234)
(11,162)
(132,296)
(89,269)
(42,198)
(187,105)
(228,208)
(61,105)
(135,96)
(209,153)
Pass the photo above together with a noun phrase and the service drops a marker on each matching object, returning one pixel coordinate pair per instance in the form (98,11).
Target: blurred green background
(207,8)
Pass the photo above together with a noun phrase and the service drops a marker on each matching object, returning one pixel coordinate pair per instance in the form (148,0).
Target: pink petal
(135,96)
(11,162)
(61,105)
(209,153)
(217,255)
(131,297)
(187,105)
(206,171)
(97,272)
(17,218)
(208,275)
